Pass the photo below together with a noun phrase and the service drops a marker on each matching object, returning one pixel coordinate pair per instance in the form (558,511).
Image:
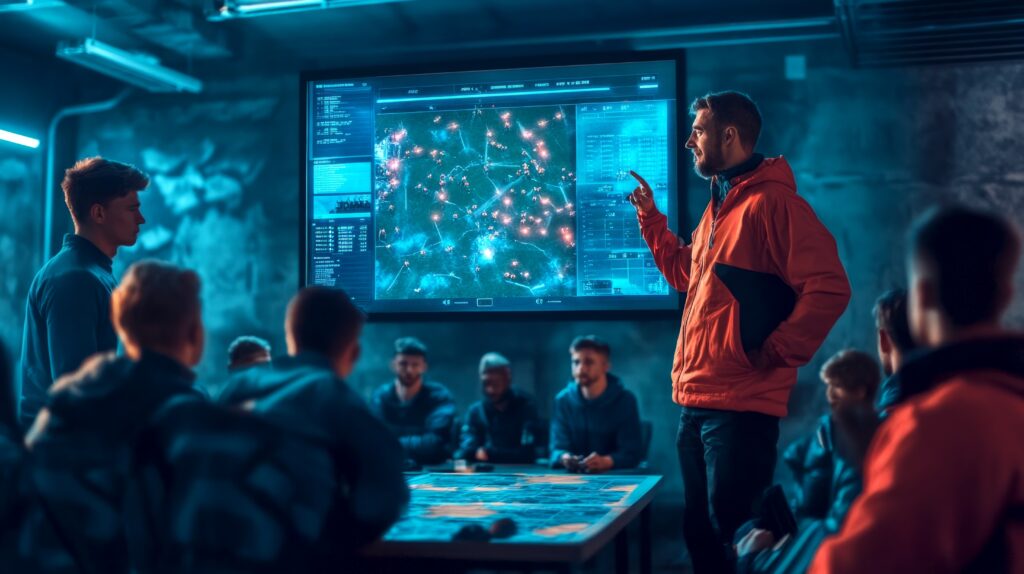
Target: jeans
(728,460)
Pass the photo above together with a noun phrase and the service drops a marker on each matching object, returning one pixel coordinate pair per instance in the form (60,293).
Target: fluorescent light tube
(19,5)
(140,70)
(19,139)
(230,9)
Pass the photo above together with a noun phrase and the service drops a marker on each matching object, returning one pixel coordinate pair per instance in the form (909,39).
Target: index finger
(642,181)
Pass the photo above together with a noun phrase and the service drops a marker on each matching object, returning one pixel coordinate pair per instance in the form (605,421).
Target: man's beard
(709,163)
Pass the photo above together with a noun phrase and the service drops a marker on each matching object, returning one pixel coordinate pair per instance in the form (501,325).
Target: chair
(646,433)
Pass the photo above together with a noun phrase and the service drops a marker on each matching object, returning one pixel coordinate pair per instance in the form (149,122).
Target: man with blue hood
(595,426)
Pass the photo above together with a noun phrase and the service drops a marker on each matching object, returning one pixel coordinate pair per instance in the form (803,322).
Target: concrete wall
(31,94)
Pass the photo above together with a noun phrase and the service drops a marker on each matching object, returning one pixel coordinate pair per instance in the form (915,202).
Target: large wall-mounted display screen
(501,190)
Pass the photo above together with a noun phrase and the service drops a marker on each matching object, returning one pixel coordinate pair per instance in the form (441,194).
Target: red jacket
(940,478)
(762,275)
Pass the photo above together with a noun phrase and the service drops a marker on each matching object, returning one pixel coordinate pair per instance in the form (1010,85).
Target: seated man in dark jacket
(827,481)
(851,380)
(895,342)
(307,392)
(245,354)
(94,415)
(502,428)
(596,421)
(419,412)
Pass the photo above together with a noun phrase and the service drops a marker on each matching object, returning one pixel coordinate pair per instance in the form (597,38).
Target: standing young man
(84,436)
(764,286)
(67,315)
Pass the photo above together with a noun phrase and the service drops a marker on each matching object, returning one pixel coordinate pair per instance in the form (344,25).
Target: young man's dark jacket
(81,446)
(608,425)
(828,485)
(303,393)
(508,435)
(423,425)
(67,320)
(827,482)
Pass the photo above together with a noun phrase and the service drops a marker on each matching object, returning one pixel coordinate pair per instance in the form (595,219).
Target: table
(562,520)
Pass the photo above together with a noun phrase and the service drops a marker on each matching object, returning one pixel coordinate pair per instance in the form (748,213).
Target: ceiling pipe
(51,152)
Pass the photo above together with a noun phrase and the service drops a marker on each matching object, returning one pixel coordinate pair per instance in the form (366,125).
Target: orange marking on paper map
(432,488)
(561,529)
(459,511)
(554,479)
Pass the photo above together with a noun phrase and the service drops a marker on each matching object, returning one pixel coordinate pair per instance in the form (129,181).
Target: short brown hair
(731,108)
(972,255)
(410,346)
(97,180)
(891,316)
(246,348)
(592,342)
(852,369)
(156,305)
(323,320)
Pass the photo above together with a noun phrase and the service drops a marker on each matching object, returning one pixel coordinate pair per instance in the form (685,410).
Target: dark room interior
(241,112)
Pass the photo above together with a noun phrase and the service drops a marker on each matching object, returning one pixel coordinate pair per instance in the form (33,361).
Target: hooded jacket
(608,425)
(761,274)
(81,448)
(508,436)
(302,393)
(423,425)
(944,475)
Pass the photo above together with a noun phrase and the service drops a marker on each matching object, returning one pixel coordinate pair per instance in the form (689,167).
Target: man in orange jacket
(764,286)
(944,474)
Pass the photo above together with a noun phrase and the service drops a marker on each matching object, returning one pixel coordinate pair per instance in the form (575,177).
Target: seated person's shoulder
(475,407)
(382,392)
(243,383)
(439,393)
(95,368)
(969,404)
(524,398)
(629,395)
(564,398)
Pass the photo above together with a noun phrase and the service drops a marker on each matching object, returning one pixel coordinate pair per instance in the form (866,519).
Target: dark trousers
(728,459)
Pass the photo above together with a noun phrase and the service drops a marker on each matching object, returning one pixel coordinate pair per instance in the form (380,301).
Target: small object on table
(460,465)
(503,528)
(472,533)
(499,529)
(575,464)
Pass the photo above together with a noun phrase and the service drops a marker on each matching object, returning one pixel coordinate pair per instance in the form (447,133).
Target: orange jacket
(939,477)
(762,275)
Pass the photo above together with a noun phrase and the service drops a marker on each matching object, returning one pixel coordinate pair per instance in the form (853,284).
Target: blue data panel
(494,190)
